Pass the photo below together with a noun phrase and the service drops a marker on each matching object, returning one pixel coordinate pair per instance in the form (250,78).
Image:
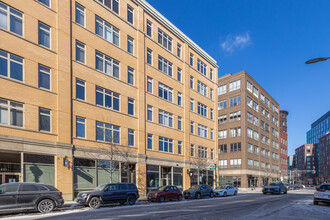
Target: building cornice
(167,24)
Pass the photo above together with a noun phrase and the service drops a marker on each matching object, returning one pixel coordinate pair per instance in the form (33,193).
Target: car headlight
(84,195)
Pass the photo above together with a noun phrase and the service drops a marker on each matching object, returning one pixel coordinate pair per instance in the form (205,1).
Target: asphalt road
(294,205)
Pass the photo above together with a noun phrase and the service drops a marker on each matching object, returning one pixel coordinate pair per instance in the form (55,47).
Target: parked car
(25,196)
(109,193)
(322,194)
(165,193)
(275,188)
(227,190)
(198,191)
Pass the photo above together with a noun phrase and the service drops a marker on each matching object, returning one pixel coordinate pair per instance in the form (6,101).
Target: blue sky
(271,40)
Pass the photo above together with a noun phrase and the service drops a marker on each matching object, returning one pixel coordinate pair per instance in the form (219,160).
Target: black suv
(109,193)
(24,196)
(198,191)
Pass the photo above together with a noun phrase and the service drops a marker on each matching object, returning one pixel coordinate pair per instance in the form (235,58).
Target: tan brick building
(248,119)
(78,75)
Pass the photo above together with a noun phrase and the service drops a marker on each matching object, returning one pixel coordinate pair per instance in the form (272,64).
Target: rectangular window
(130,137)
(80,89)
(255,92)
(249,132)
(44,35)
(149,56)
(165,92)
(80,52)
(222,104)
(130,45)
(201,88)
(211,114)
(149,113)
(235,147)
(202,152)
(166,144)
(249,86)
(235,116)
(256,149)
(249,101)
(178,53)
(80,127)
(262,98)
(107,98)
(11,19)
(192,127)
(211,94)
(130,75)
(130,105)
(130,14)
(11,66)
(150,141)
(106,31)
(201,67)
(179,75)
(191,59)
(235,132)
(191,105)
(191,82)
(192,150)
(165,66)
(180,147)
(164,40)
(256,164)
(249,117)
(222,119)
(255,121)
(80,14)
(211,74)
(149,84)
(267,101)
(255,106)
(211,135)
(45,2)
(11,113)
(44,77)
(256,135)
(234,101)
(202,109)
(107,132)
(250,148)
(149,28)
(235,163)
(180,123)
(106,64)
(235,85)
(222,163)
(165,118)
(250,163)
(111,4)
(222,134)
(222,89)
(202,131)
(179,99)
(223,148)
(44,119)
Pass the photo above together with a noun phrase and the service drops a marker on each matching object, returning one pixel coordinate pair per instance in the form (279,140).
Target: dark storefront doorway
(10,167)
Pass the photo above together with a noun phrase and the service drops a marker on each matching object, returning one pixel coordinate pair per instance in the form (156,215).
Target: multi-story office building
(291,167)
(248,118)
(94,91)
(318,129)
(284,145)
(324,159)
(305,164)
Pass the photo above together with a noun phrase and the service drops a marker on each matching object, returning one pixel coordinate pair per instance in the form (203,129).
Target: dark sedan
(24,196)
(274,188)
(165,193)
(198,191)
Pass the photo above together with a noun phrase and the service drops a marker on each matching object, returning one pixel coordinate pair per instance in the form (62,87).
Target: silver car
(226,190)
(322,194)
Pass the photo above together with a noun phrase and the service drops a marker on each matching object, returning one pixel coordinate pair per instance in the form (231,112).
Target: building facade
(324,159)
(248,119)
(305,164)
(103,91)
(284,145)
(318,129)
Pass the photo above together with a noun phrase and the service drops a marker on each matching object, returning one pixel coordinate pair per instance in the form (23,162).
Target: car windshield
(100,187)
(222,187)
(274,184)
(195,187)
(161,188)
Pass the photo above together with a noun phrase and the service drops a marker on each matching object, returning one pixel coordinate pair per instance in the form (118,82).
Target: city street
(248,205)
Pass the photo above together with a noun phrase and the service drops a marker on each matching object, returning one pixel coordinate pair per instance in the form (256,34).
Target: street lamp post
(315,60)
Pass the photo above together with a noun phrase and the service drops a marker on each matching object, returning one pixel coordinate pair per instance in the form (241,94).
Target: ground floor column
(64,176)
(141,178)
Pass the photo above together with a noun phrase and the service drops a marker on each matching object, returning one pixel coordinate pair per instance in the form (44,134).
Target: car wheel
(315,202)
(46,205)
(94,203)
(131,200)
(211,195)
(225,194)
(161,199)
(180,198)
(198,196)
(235,193)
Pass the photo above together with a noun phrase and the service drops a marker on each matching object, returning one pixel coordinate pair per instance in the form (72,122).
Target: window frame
(9,13)
(46,73)
(81,12)
(43,30)
(45,115)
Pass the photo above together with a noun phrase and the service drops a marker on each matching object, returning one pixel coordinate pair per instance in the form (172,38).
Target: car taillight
(320,190)
(60,193)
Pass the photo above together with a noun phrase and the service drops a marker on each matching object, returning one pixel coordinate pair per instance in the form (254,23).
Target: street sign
(212,168)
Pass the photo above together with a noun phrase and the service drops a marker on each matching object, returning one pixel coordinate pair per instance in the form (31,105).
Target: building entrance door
(166,176)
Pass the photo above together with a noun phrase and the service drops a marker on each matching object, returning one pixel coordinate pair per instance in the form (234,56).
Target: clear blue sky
(271,40)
